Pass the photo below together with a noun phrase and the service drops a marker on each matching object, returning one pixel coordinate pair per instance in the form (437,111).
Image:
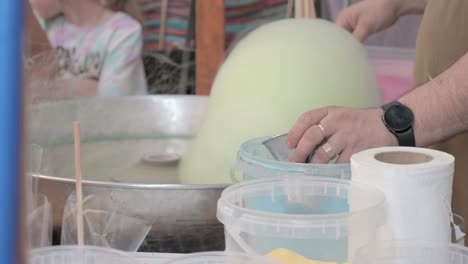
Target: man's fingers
(344,20)
(344,157)
(352,20)
(361,33)
(304,122)
(332,146)
(312,137)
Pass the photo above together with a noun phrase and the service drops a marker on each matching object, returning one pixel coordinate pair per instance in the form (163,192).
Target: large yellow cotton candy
(271,77)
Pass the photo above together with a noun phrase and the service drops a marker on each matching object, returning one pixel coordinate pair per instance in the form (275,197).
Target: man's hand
(346,130)
(371,16)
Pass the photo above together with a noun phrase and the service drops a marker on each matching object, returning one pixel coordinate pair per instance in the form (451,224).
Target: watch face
(399,118)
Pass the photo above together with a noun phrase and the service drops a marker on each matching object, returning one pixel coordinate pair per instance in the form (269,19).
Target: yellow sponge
(286,256)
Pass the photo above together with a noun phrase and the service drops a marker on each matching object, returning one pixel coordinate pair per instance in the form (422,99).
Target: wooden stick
(307,9)
(162,26)
(299,8)
(79,186)
(310,7)
(289,8)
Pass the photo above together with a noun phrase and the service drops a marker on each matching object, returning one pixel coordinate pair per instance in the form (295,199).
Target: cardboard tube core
(403,157)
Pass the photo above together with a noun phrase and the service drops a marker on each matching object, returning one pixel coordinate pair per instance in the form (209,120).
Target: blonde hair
(130,7)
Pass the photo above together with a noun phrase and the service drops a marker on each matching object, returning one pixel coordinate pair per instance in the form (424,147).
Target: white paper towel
(417,184)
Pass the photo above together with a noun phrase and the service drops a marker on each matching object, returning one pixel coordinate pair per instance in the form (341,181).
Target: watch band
(406,138)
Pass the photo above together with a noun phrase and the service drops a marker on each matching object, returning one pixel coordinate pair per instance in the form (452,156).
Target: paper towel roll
(417,184)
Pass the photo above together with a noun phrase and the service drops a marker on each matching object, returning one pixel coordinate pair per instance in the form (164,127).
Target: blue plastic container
(322,219)
(254,161)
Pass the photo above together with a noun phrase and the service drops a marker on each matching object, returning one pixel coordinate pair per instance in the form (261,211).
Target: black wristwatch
(399,120)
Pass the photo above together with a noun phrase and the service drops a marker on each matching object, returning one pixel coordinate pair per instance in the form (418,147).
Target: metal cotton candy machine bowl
(118,135)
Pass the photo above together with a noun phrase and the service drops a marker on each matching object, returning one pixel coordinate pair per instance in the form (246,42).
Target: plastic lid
(221,258)
(410,252)
(79,255)
(365,207)
(255,153)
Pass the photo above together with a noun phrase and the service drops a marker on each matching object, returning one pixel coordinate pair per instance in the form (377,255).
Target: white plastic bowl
(407,252)
(79,255)
(221,258)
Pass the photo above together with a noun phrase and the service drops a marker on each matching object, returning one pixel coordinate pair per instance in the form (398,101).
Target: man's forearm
(440,106)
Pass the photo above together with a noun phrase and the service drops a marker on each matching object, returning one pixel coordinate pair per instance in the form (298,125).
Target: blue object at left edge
(11,34)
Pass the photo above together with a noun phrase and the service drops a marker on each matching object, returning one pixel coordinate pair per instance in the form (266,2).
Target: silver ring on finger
(331,154)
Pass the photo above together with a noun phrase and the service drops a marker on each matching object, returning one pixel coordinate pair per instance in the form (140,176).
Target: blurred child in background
(97,43)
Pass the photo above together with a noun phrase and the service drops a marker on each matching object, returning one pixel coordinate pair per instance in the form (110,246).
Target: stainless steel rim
(137,185)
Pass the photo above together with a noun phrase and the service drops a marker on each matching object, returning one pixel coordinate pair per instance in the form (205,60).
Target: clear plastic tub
(406,252)
(79,255)
(40,223)
(104,224)
(458,230)
(321,219)
(254,161)
(221,258)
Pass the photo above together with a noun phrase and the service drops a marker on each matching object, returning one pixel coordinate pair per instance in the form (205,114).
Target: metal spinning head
(278,147)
